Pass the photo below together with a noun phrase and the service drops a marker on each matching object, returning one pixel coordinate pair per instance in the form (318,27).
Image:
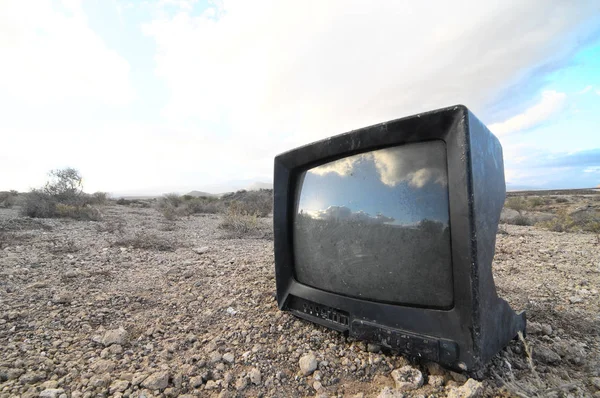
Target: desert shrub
(83,213)
(170,199)
(516,203)
(62,196)
(258,203)
(536,201)
(172,206)
(520,220)
(561,200)
(201,205)
(97,198)
(38,204)
(8,199)
(587,221)
(147,241)
(237,221)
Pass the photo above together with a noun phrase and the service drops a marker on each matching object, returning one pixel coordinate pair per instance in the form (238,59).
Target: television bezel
(460,323)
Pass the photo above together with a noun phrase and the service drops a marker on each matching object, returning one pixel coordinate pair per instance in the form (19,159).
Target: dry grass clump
(147,241)
(238,221)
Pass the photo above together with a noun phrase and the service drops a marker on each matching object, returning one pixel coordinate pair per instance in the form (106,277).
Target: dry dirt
(137,306)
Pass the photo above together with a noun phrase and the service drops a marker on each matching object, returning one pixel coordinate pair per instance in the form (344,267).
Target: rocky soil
(138,306)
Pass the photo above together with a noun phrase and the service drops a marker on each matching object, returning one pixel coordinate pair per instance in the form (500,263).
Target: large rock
(407,378)
(118,386)
(308,364)
(255,376)
(546,355)
(51,393)
(115,336)
(156,381)
(103,366)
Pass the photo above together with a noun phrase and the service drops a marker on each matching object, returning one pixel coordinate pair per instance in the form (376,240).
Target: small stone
(32,377)
(115,336)
(595,382)
(308,364)
(534,328)
(211,385)
(546,355)
(200,250)
(575,299)
(228,357)
(388,392)
(62,298)
(374,348)
(178,380)
(241,383)
(435,380)
(103,366)
(118,386)
(546,329)
(156,381)
(458,377)
(49,384)
(434,368)
(231,311)
(171,392)
(471,389)
(196,381)
(14,373)
(407,378)
(317,385)
(215,357)
(51,393)
(255,376)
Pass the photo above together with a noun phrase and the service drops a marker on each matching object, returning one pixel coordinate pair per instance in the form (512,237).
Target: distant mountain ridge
(198,194)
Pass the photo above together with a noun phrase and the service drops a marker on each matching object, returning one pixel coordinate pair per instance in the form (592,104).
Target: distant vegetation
(63,197)
(8,199)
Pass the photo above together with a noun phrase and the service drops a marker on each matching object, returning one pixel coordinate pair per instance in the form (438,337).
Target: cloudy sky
(174,95)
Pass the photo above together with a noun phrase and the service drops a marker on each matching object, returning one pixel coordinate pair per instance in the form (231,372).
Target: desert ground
(138,304)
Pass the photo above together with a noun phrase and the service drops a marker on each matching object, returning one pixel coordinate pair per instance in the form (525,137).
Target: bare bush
(62,197)
(561,200)
(584,220)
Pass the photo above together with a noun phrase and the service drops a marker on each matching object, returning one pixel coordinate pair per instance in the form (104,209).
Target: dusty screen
(376,226)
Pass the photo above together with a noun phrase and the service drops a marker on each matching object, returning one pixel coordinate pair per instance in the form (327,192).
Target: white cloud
(314,69)
(598,92)
(585,90)
(417,164)
(49,54)
(551,103)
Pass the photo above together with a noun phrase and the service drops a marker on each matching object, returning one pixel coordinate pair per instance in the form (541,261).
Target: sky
(148,97)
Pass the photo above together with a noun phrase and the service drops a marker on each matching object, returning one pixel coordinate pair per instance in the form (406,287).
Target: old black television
(388,233)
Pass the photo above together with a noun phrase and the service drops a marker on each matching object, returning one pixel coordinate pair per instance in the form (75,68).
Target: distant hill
(198,194)
(255,186)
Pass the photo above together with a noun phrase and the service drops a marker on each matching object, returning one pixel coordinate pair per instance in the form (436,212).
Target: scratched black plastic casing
(479,324)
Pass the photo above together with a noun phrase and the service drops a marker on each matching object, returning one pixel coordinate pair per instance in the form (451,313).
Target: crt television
(387,233)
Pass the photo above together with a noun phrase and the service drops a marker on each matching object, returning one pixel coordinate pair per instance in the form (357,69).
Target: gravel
(97,318)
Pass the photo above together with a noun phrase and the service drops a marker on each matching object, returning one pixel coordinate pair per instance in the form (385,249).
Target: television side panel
(498,323)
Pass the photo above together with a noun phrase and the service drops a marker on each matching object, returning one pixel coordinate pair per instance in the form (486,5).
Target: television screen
(375,226)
